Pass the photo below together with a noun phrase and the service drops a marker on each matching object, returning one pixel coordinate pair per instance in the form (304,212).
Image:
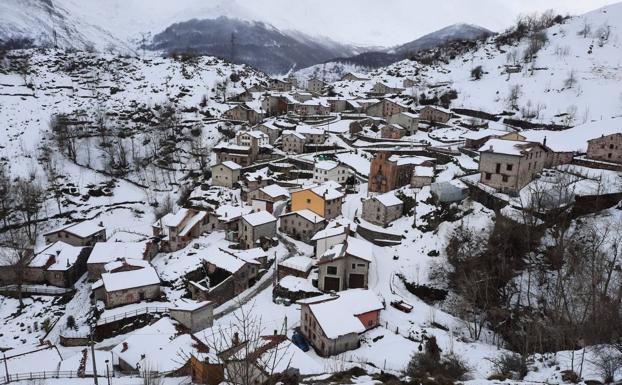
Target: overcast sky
(362,22)
(391,22)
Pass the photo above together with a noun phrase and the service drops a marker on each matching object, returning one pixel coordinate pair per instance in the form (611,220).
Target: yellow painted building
(323,200)
(307,199)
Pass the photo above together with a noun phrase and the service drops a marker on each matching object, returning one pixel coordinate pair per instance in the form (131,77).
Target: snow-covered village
(190,194)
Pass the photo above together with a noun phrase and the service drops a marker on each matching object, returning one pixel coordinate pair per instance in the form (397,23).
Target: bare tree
(29,197)
(514,96)
(16,253)
(248,354)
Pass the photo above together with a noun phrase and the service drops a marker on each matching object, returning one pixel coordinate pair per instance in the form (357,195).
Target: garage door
(356,281)
(331,283)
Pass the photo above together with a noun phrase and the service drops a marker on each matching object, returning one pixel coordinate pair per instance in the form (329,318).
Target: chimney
(544,142)
(236,338)
(275,332)
(125,347)
(101,224)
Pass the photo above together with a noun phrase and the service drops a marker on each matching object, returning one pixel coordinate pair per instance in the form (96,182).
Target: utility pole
(6,368)
(93,356)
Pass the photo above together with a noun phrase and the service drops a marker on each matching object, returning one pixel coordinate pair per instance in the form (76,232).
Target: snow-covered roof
(484,133)
(227,213)
(388,199)
(82,229)
(293,133)
(251,255)
(424,171)
(195,220)
(231,165)
(359,248)
(508,147)
(326,165)
(139,263)
(289,356)
(337,313)
(189,305)
(308,215)
(575,138)
(327,192)
(259,218)
(104,252)
(62,256)
(274,190)
(414,160)
(298,262)
(225,261)
(160,346)
(308,130)
(130,279)
(173,219)
(438,108)
(329,232)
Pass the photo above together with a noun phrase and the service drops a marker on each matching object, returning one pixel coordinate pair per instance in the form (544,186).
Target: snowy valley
(168,217)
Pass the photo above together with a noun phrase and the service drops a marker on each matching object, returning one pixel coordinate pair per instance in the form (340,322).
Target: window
(498,168)
(331,270)
(504,178)
(354,265)
(488,176)
(308,200)
(509,167)
(361,265)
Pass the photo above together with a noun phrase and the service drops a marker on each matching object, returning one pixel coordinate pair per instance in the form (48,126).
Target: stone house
(256,227)
(243,112)
(354,76)
(8,256)
(435,114)
(312,135)
(386,108)
(106,252)
(606,148)
(332,323)
(166,346)
(271,130)
(195,316)
(85,233)
(296,266)
(301,225)
(59,264)
(226,174)
(327,170)
(389,172)
(264,198)
(314,107)
(280,85)
(253,139)
(422,176)
(301,96)
(292,142)
(126,287)
(316,86)
(325,239)
(236,153)
(224,276)
(392,131)
(509,165)
(337,104)
(345,266)
(323,200)
(383,89)
(382,209)
(407,120)
(177,230)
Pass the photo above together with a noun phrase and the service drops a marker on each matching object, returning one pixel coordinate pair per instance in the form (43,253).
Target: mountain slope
(254,43)
(49,23)
(560,85)
(451,33)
